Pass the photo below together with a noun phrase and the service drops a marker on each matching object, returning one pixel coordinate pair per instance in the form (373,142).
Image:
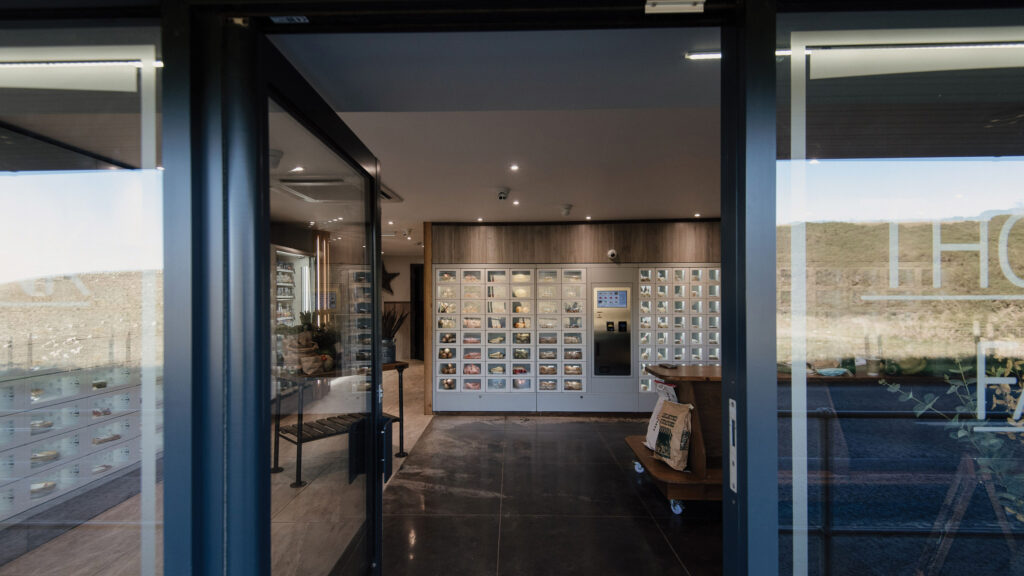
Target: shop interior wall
(401,298)
(558,243)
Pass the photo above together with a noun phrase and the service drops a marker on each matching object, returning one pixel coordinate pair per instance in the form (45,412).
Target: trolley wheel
(638,467)
(676,506)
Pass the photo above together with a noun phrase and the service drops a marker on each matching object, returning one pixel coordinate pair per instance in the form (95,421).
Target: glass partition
(81,303)
(901,294)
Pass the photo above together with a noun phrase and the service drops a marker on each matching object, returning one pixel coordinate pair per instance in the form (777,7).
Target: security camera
(502,193)
(612,254)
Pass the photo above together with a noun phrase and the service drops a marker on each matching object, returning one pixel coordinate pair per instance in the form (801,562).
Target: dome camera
(612,254)
(502,193)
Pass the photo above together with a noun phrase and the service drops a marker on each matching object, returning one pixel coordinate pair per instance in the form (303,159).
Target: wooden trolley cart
(700,386)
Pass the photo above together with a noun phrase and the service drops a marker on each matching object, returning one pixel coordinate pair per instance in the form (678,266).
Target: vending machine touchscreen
(612,317)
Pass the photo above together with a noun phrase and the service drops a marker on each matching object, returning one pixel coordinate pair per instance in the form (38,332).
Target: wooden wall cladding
(577,243)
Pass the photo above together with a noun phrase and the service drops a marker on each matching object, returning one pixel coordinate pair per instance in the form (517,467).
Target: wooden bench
(302,432)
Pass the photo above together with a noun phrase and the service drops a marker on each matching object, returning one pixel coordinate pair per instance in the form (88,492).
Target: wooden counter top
(687,373)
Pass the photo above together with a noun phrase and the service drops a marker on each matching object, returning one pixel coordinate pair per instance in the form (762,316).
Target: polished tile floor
(538,495)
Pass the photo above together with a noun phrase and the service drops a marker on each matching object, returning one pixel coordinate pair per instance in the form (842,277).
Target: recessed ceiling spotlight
(814,160)
(697,215)
(391,222)
(514,167)
(479,219)
(515,202)
(298,169)
(588,217)
(311,222)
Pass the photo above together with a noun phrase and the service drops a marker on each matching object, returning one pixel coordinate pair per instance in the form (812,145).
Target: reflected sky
(61,223)
(883,190)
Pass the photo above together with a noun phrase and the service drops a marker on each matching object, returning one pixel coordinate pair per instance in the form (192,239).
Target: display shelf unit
(679,320)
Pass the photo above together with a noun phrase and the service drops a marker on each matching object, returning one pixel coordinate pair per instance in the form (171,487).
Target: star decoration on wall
(387,277)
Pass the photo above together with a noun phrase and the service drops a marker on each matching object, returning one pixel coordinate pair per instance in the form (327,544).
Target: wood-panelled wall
(578,243)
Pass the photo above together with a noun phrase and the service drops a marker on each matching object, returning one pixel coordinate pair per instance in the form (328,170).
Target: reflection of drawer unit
(114,404)
(53,420)
(113,458)
(47,485)
(112,431)
(10,426)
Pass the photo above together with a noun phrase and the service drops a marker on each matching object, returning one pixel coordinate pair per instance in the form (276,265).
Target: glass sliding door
(322,315)
(901,293)
(81,303)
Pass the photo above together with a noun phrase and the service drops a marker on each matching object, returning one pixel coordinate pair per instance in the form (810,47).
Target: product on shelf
(44,456)
(518,369)
(496,355)
(573,369)
(106,438)
(38,426)
(471,355)
(448,368)
(571,339)
(521,384)
(40,488)
(496,339)
(547,384)
(470,384)
(445,354)
(548,339)
(447,384)
(572,354)
(521,337)
(547,354)
(470,338)
(101,468)
(471,369)
(521,353)
(496,369)
(448,338)
(573,385)
(99,412)
(548,369)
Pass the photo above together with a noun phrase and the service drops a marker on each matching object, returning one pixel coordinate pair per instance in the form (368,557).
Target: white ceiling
(615,122)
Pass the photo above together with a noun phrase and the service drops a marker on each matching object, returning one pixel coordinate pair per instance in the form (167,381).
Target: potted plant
(391,322)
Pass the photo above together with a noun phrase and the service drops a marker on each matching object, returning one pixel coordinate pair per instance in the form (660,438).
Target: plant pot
(387,351)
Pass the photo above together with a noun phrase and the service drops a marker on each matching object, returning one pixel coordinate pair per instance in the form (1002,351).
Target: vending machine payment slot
(612,339)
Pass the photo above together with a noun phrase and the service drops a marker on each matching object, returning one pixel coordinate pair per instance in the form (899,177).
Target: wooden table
(701,387)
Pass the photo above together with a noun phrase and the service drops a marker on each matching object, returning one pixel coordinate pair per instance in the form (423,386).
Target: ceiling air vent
(330,190)
(389,195)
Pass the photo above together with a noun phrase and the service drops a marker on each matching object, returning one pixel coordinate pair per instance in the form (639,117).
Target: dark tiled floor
(524,496)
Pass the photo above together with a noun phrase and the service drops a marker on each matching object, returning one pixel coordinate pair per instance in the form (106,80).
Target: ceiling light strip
(785,52)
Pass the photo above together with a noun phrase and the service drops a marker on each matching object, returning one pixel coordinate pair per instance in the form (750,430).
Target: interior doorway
(537,169)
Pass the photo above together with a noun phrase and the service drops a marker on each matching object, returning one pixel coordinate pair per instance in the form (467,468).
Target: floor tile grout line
(501,495)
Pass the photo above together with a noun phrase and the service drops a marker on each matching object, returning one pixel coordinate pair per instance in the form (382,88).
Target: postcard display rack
(680,317)
(503,336)
(63,430)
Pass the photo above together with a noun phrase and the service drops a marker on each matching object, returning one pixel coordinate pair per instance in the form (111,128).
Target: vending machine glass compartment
(497,353)
(522,276)
(661,338)
(447,292)
(663,275)
(678,354)
(574,292)
(663,322)
(572,353)
(696,275)
(679,275)
(572,323)
(646,275)
(645,353)
(497,385)
(522,369)
(714,307)
(697,306)
(497,292)
(646,307)
(522,384)
(547,276)
(645,322)
(472,338)
(472,322)
(447,307)
(497,307)
(547,353)
(547,369)
(713,338)
(471,384)
(679,322)
(696,291)
(572,338)
(547,338)
(497,322)
(714,354)
(696,322)
(547,292)
(447,353)
(713,322)
(715,275)
(447,384)
(661,354)
(548,307)
(521,353)
(472,307)
(572,276)
(572,307)
(522,338)
(497,368)
(113,431)
(645,292)
(497,338)
(662,307)
(679,292)
(497,276)
(521,307)
(547,384)
(472,276)
(447,276)
(679,338)
(547,322)
(662,291)
(522,292)
(472,353)
(448,369)
(522,323)
(472,292)
(645,338)
(714,291)
(572,384)
(572,369)
(472,369)
(679,306)
(696,354)
(645,385)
